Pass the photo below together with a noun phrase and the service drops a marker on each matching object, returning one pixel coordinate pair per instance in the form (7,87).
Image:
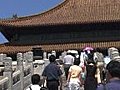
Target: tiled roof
(73,11)
(57,47)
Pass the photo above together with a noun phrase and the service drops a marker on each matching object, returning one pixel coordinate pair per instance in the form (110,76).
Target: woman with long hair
(90,79)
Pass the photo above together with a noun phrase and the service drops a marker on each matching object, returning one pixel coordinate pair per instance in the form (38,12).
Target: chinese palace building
(73,24)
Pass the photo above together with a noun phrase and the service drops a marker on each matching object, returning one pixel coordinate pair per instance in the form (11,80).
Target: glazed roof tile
(72,11)
(57,47)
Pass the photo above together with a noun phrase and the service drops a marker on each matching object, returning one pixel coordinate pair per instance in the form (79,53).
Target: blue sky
(24,8)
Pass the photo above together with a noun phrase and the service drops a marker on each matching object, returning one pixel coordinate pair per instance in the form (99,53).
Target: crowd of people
(92,74)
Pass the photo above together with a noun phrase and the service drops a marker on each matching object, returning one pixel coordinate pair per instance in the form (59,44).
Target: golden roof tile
(57,47)
(73,11)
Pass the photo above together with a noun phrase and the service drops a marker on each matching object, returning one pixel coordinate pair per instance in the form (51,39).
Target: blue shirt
(112,85)
(52,72)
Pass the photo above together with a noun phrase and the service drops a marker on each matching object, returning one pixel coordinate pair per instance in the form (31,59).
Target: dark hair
(90,56)
(86,52)
(52,58)
(90,59)
(113,68)
(76,61)
(35,79)
(98,50)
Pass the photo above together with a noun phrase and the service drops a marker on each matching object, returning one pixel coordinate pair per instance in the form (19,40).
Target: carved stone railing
(4,83)
(19,79)
(17,74)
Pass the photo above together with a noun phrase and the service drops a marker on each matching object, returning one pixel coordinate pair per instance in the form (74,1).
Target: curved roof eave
(7,22)
(72,12)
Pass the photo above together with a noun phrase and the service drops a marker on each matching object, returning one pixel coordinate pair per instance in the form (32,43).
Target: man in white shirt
(68,60)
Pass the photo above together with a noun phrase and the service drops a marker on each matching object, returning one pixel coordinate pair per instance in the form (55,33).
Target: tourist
(68,61)
(90,79)
(112,76)
(35,79)
(52,74)
(98,55)
(74,79)
(99,59)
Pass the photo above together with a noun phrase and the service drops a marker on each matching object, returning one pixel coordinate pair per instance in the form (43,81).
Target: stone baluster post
(63,54)
(49,54)
(21,68)
(47,60)
(30,60)
(44,55)
(54,53)
(25,58)
(8,71)
(2,57)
